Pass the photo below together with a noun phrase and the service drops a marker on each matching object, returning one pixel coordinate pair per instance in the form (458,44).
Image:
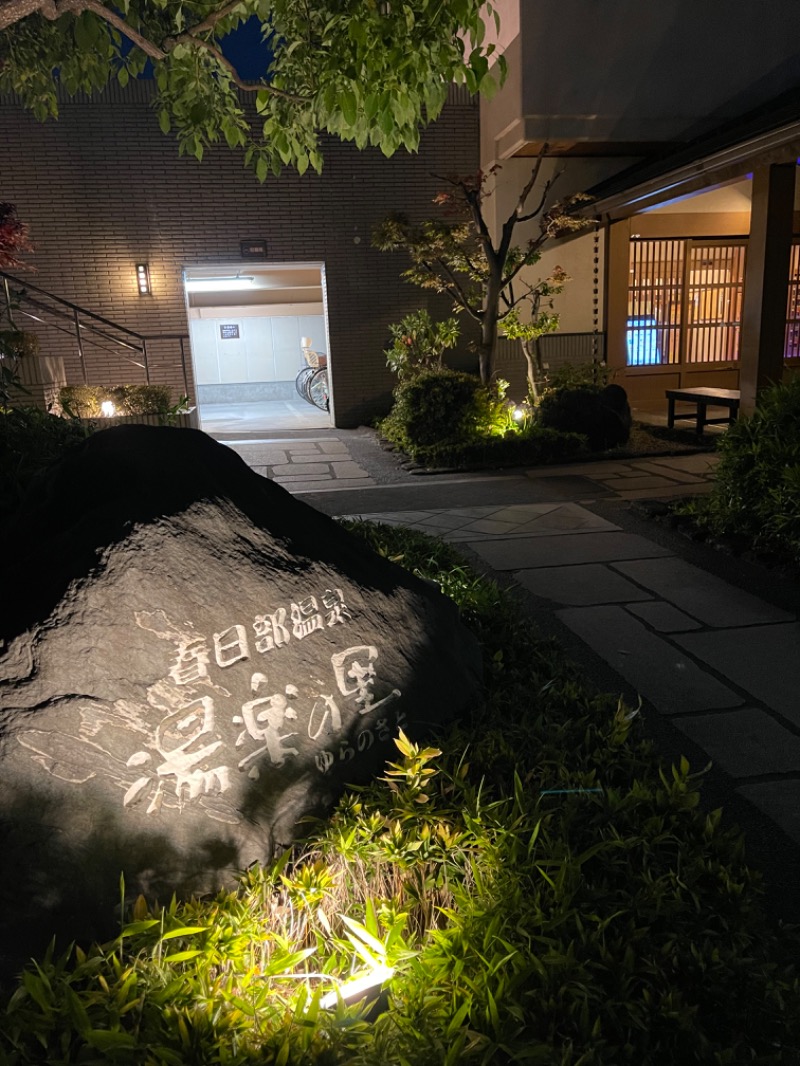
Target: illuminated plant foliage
(368,71)
(538,890)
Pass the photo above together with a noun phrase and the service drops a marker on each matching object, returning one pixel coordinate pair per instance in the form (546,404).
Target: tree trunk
(486,353)
(491,310)
(536,372)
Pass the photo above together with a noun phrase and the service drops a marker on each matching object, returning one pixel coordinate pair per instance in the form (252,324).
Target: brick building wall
(103,189)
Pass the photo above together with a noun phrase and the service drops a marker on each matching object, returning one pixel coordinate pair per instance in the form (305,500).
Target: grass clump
(542,890)
(756,493)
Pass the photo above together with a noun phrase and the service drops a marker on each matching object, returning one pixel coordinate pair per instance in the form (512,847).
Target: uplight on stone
(107,409)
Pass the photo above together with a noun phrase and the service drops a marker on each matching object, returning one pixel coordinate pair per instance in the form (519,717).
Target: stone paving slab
(663,616)
(763,660)
(701,594)
(580,585)
(654,667)
(293,469)
(572,469)
(699,462)
(745,743)
(780,801)
(570,486)
(673,472)
(567,549)
(332,446)
(632,473)
(668,491)
(261,455)
(289,479)
(651,482)
(348,470)
(299,447)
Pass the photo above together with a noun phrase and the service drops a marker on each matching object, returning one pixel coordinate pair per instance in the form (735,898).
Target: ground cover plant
(756,495)
(530,888)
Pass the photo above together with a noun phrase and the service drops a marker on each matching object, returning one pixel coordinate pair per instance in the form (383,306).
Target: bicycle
(312,381)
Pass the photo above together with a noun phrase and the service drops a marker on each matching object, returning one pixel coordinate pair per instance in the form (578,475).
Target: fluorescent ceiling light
(224,284)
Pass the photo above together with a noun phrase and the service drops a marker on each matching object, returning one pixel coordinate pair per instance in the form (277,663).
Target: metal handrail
(75,312)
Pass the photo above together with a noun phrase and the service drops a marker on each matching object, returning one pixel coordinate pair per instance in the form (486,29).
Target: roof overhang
(623,199)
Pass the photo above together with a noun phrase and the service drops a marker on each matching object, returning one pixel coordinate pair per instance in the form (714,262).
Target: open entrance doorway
(254,329)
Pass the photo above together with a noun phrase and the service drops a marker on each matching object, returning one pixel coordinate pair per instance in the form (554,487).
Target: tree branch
(547,187)
(452,285)
(523,196)
(12,11)
(211,20)
(223,61)
(113,19)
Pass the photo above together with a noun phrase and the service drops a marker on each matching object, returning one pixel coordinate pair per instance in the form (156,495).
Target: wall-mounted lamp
(143,279)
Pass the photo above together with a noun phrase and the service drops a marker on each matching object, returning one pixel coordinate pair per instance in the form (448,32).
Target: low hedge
(541,890)
(535,446)
(84,401)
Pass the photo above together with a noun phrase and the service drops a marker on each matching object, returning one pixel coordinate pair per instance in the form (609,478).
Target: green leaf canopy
(369,71)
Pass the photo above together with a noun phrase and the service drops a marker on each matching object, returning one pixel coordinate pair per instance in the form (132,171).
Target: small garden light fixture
(107,409)
(143,279)
(356,987)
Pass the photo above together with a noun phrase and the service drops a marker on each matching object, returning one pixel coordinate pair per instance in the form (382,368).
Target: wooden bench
(702,400)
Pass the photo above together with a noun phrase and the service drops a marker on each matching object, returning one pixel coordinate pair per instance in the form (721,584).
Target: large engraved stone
(191,662)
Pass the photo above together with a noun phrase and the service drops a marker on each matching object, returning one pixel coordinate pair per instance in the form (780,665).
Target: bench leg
(671,413)
(701,417)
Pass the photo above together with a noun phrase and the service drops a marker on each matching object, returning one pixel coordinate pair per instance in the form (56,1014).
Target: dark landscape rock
(191,662)
(603,416)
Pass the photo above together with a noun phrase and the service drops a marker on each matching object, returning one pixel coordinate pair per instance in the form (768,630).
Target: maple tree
(456,254)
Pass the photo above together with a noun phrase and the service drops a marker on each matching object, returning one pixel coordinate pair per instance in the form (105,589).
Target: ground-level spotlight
(107,409)
(357,987)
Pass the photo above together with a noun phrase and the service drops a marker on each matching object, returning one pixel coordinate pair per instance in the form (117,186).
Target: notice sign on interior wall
(229,331)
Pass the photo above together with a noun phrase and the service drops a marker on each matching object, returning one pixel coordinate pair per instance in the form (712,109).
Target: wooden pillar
(766,280)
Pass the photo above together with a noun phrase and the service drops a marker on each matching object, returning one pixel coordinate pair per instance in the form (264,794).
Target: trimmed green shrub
(84,401)
(756,493)
(541,890)
(436,406)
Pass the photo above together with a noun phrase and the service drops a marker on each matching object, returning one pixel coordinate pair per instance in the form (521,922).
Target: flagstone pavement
(712,658)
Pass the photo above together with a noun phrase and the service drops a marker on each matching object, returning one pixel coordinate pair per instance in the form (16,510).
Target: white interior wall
(267,349)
